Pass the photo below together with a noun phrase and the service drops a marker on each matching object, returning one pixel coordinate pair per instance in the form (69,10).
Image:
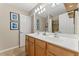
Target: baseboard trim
(8,49)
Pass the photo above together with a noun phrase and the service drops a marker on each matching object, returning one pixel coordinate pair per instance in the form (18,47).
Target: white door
(25,28)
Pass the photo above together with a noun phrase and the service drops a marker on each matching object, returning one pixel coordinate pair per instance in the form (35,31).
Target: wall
(8,38)
(66,24)
(77,22)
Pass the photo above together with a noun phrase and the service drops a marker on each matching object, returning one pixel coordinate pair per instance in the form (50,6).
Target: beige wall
(8,38)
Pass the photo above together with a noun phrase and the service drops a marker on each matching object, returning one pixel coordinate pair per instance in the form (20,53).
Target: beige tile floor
(14,52)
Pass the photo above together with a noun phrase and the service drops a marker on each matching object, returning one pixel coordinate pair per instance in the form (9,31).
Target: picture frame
(14,16)
(14,26)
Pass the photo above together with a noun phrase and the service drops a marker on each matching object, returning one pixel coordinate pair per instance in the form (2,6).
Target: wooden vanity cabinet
(40,48)
(26,46)
(37,47)
(58,51)
(48,53)
(31,46)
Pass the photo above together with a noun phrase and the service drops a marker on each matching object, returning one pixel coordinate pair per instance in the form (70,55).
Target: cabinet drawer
(31,39)
(40,43)
(59,51)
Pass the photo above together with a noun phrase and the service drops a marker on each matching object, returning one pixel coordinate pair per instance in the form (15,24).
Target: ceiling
(25,6)
(58,9)
(53,11)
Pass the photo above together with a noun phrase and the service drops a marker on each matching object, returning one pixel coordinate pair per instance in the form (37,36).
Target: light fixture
(41,11)
(71,6)
(53,4)
(71,12)
(44,9)
(35,10)
(41,7)
(38,12)
(38,9)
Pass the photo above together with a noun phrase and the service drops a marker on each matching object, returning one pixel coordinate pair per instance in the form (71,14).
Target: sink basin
(60,40)
(51,36)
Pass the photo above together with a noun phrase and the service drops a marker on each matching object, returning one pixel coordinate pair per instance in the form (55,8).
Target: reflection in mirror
(41,23)
(66,23)
(55,24)
(61,18)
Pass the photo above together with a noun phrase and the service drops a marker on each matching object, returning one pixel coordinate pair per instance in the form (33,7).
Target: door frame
(19,31)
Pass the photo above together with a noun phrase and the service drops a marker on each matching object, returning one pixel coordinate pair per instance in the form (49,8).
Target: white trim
(8,49)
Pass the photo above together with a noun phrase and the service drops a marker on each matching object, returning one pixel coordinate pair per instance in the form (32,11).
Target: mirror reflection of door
(55,24)
(37,24)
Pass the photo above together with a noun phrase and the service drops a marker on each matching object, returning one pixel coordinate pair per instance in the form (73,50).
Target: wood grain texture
(50,54)
(40,43)
(31,39)
(40,48)
(43,48)
(31,46)
(31,49)
(39,51)
(59,51)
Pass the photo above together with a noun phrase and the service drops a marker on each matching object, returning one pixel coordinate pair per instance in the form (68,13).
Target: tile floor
(14,52)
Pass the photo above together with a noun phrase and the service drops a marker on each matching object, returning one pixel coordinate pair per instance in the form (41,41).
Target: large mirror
(41,23)
(61,18)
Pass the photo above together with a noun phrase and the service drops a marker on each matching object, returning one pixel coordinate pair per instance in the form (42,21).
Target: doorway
(25,28)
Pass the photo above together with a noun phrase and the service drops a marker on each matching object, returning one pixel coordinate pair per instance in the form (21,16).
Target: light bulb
(35,11)
(41,11)
(38,12)
(53,4)
(38,9)
(41,7)
(44,9)
(71,6)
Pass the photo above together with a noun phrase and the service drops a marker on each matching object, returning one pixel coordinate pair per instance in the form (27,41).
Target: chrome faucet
(55,34)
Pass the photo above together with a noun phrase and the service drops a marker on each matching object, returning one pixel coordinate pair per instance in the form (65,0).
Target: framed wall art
(13,16)
(14,21)
(14,26)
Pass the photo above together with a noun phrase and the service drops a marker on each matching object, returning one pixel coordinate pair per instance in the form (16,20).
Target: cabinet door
(26,45)
(58,51)
(31,49)
(50,54)
(39,51)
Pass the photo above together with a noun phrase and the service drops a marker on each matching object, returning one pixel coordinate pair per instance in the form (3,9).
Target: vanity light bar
(40,9)
(53,4)
(39,12)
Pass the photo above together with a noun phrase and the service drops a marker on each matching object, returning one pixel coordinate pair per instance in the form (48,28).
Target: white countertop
(65,42)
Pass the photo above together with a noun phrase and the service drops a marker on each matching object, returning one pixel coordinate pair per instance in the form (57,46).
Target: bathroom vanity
(50,45)
(46,42)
